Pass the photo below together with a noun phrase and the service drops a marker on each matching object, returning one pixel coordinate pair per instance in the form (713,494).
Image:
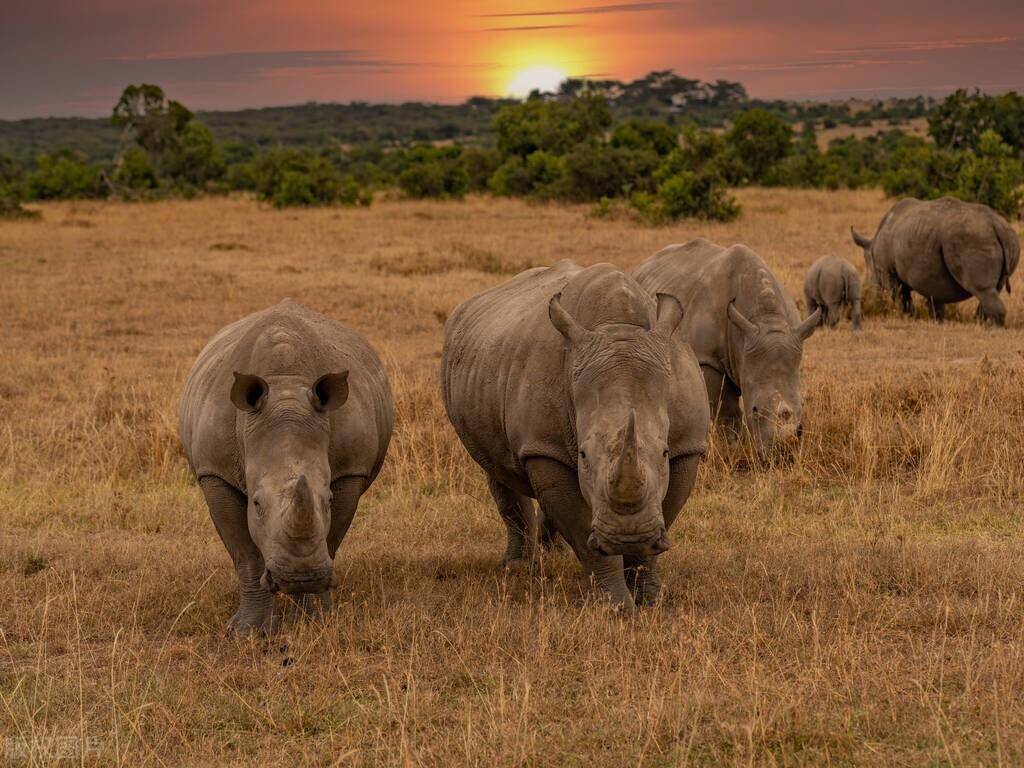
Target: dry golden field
(861,605)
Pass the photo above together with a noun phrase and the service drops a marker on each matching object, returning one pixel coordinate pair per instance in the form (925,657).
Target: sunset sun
(541,78)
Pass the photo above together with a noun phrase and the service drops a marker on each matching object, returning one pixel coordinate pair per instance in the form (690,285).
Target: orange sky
(73,56)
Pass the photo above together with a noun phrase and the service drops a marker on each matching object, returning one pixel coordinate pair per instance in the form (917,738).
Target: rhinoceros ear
(670,314)
(248,392)
(564,322)
(329,392)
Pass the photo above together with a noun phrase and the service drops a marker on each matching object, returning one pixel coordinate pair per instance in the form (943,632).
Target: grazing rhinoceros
(832,282)
(946,250)
(285,419)
(745,331)
(566,385)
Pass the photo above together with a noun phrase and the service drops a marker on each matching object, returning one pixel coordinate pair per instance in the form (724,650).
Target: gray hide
(745,331)
(566,385)
(832,283)
(946,250)
(285,419)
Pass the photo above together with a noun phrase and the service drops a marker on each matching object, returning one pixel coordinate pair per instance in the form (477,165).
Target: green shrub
(645,135)
(353,194)
(441,179)
(551,126)
(64,176)
(134,171)
(759,140)
(994,176)
(288,177)
(923,172)
(698,196)
(478,165)
(511,179)
(593,171)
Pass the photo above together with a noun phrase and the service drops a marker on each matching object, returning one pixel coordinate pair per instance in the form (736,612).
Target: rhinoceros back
(288,339)
(498,344)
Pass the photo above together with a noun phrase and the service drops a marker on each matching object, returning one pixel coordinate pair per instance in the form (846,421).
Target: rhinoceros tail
(1011,255)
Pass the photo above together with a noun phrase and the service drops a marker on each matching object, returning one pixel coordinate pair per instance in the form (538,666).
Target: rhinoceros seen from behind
(832,283)
(285,419)
(947,251)
(745,331)
(567,385)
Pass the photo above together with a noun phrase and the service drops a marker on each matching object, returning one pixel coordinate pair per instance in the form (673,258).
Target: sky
(73,57)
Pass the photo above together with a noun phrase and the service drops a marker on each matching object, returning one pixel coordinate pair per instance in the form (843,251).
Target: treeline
(662,95)
(569,149)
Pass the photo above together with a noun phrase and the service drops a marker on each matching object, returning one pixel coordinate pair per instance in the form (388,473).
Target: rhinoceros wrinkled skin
(567,385)
(832,283)
(285,419)
(946,250)
(745,331)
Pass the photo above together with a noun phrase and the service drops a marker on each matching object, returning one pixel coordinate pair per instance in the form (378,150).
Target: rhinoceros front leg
(724,399)
(557,488)
(521,525)
(937,310)
(227,507)
(642,572)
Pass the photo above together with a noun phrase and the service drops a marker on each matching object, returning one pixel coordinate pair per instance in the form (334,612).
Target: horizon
(63,61)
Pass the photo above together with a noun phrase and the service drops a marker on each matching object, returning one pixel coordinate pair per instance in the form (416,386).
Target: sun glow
(541,78)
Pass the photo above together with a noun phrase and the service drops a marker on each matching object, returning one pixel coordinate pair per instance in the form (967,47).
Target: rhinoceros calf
(832,283)
(745,331)
(946,250)
(567,385)
(285,419)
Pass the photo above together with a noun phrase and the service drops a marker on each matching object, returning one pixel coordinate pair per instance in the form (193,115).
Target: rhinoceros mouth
(643,545)
(297,583)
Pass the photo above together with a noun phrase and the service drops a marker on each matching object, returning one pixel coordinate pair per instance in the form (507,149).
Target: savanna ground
(863,604)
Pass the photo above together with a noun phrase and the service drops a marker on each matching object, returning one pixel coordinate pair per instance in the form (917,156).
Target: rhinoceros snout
(629,546)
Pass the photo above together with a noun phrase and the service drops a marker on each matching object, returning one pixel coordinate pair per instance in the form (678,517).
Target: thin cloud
(782,66)
(915,46)
(589,10)
(537,28)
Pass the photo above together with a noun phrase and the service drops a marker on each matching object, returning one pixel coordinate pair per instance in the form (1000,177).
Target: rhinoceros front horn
(301,520)
(627,480)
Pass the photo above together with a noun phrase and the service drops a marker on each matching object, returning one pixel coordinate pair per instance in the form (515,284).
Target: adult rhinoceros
(745,331)
(285,420)
(946,250)
(567,385)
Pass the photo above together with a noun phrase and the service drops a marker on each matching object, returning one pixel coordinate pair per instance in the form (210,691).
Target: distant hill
(662,95)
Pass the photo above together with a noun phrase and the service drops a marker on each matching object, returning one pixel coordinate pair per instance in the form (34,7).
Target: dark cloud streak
(588,10)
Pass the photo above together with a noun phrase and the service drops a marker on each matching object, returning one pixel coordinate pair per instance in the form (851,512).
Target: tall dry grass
(858,605)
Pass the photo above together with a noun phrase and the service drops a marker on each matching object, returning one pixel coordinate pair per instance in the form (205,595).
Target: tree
(760,140)
(154,122)
(552,126)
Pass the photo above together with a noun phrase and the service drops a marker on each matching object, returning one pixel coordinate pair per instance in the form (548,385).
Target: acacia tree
(178,146)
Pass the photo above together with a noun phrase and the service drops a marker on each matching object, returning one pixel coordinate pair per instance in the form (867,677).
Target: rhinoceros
(567,385)
(946,250)
(745,331)
(831,283)
(285,419)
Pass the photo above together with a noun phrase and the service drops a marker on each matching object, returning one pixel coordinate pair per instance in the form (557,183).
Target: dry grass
(861,605)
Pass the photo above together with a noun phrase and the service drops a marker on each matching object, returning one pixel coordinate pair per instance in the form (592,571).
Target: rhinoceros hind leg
(227,508)
(558,490)
(991,307)
(905,298)
(937,310)
(520,525)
